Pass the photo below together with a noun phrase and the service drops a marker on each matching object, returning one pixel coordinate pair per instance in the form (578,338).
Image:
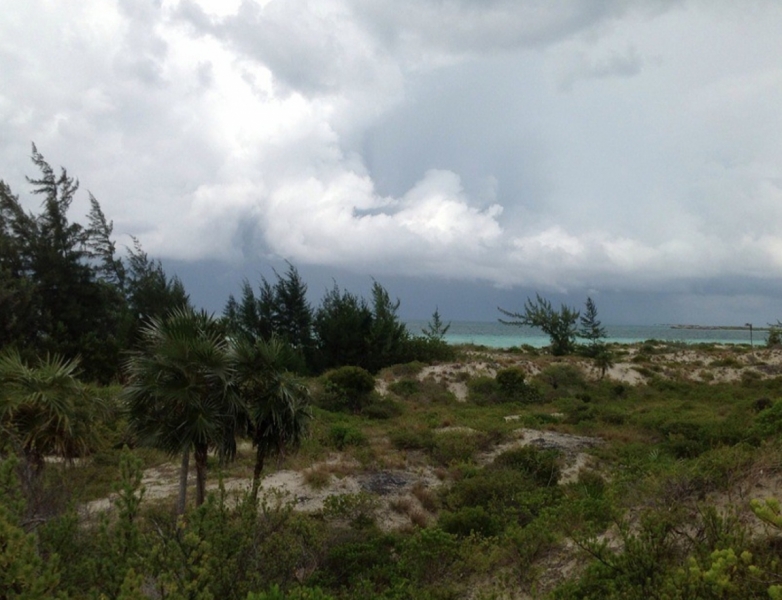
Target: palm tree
(276,403)
(179,394)
(45,410)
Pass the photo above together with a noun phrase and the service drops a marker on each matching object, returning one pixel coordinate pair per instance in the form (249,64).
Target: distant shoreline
(720,327)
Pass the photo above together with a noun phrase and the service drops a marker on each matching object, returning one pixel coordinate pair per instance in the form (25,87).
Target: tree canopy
(559,325)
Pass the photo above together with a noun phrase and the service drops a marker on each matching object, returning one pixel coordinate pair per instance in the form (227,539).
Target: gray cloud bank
(619,147)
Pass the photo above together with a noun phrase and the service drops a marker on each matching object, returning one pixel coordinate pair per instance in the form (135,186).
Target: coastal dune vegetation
(337,456)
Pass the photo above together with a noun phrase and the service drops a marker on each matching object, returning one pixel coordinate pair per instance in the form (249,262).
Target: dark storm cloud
(619,147)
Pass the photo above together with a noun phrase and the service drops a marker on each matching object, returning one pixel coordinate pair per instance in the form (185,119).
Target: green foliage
(342,326)
(452,447)
(348,389)
(429,557)
(514,388)
(280,310)
(405,387)
(340,436)
(470,520)
(768,422)
(150,292)
(591,330)
(179,391)
(364,561)
(350,331)
(59,279)
(387,336)
(357,509)
(435,329)
(383,409)
(45,410)
(417,348)
(560,325)
(565,377)
(510,494)
(275,404)
(413,438)
(541,465)
(299,593)
(23,574)
(508,385)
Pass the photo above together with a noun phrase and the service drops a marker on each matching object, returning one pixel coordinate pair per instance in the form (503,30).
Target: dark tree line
(66,291)
(63,288)
(345,329)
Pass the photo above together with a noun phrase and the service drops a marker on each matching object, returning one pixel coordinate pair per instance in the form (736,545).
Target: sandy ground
(391,486)
(395,489)
(690,364)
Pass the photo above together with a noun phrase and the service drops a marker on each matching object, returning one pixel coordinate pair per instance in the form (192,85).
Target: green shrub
(427,350)
(358,509)
(405,387)
(502,491)
(410,369)
(576,411)
(383,409)
(563,376)
(541,465)
(483,390)
(366,556)
(302,593)
(348,389)
(469,520)
(340,436)
(428,556)
(413,439)
(509,385)
(454,447)
(511,382)
(768,422)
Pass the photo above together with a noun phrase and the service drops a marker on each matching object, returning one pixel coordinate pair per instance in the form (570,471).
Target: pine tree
(591,330)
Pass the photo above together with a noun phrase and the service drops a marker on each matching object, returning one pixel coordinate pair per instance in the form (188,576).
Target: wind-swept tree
(58,279)
(387,335)
(150,293)
(435,329)
(559,325)
(591,330)
(180,395)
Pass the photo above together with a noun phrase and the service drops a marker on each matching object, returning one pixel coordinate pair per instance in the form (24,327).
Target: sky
(466,154)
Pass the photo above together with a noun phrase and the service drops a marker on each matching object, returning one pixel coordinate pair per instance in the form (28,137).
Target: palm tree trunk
(259,459)
(182,500)
(200,459)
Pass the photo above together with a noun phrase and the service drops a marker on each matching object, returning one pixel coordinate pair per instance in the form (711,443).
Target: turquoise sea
(497,335)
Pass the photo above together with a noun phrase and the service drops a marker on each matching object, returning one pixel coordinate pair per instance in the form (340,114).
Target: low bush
(469,520)
(382,409)
(347,389)
(509,385)
(426,350)
(563,376)
(541,465)
(405,387)
(413,439)
(454,447)
(340,436)
(484,390)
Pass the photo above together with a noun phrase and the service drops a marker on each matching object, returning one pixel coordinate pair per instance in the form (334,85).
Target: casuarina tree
(559,325)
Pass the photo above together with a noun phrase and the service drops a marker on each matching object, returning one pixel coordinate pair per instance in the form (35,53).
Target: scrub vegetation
(338,457)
